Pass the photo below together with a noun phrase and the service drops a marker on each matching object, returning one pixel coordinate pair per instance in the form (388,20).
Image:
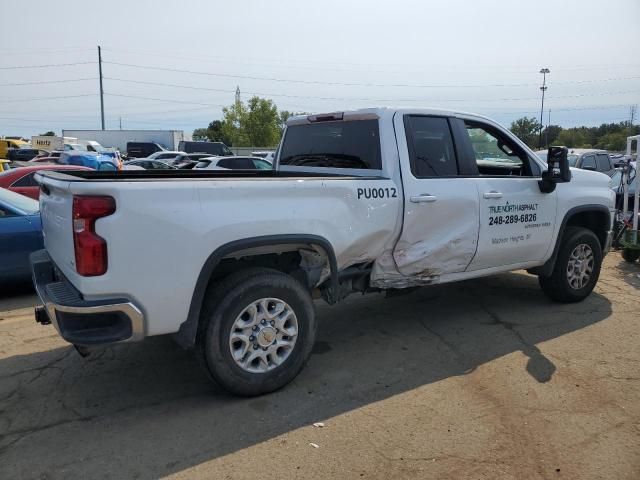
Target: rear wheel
(259,329)
(577,267)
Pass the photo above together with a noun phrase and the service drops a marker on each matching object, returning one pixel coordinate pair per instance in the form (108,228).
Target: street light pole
(544,72)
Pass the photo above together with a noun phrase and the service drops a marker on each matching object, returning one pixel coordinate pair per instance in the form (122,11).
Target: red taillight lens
(90,248)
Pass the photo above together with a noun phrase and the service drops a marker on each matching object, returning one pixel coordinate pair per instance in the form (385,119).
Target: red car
(21,180)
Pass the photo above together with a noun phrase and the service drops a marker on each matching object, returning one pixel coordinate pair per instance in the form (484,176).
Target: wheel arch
(186,335)
(596,218)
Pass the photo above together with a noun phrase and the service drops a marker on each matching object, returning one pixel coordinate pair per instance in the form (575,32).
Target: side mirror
(557,169)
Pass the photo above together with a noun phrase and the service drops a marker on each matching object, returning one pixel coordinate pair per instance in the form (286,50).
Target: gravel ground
(481,379)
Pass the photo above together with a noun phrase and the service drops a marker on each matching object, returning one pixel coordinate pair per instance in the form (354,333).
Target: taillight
(90,248)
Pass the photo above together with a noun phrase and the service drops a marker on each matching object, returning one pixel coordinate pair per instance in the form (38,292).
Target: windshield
(26,205)
(572,160)
(345,144)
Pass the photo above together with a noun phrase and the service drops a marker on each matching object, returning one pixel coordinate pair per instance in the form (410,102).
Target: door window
(236,163)
(431,151)
(602,160)
(498,155)
(588,162)
(26,181)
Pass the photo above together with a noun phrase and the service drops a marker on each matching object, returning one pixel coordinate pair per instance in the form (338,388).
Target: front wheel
(577,267)
(259,329)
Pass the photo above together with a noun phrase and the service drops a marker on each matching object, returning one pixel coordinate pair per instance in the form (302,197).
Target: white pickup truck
(360,201)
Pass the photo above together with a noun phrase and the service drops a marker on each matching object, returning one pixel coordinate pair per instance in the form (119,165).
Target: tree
(550,134)
(527,129)
(573,138)
(213,133)
(50,133)
(261,122)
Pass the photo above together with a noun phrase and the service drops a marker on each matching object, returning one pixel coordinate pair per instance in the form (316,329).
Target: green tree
(573,138)
(49,133)
(213,133)
(232,124)
(550,134)
(527,129)
(261,122)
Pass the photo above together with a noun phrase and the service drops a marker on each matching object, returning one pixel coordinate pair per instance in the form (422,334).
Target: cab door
(440,228)
(517,220)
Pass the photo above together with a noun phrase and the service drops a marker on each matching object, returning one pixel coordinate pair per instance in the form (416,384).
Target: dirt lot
(484,379)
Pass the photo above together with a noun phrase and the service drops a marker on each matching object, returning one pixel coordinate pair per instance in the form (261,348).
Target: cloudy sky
(173,65)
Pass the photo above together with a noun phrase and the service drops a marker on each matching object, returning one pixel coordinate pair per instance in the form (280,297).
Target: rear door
(516,219)
(604,163)
(18,238)
(440,229)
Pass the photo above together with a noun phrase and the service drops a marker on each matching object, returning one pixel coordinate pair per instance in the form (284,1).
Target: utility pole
(546,132)
(120,123)
(632,114)
(544,72)
(101,90)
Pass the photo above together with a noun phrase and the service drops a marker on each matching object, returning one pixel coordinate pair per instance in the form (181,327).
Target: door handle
(492,194)
(424,198)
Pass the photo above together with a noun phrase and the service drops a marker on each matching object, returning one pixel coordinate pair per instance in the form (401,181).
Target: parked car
(212,148)
(23,153)
(21,180)
(233,163)
(93,160)
(267,155)
(170,157)
(616,185)
(45,160)
(148,164)
(20,234)
(587,159)
(143,149)
(8,143)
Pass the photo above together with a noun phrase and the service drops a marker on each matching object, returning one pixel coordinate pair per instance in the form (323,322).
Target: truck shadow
(146,410)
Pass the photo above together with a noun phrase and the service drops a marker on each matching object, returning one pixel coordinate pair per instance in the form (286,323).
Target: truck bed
(142,175)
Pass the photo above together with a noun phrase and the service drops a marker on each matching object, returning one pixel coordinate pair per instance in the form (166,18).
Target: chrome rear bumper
(78,321)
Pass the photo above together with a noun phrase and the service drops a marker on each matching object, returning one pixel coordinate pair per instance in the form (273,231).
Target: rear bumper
(78,321)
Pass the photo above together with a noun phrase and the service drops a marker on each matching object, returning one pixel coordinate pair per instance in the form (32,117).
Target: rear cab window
(349,144)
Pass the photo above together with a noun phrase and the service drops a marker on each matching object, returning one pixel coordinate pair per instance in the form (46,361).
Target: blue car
(94,160)
(20,234)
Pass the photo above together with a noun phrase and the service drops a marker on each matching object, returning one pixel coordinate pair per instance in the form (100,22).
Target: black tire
(225,301)
(556,286)
(630,255)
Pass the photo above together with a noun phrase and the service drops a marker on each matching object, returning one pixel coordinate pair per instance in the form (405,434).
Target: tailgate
(56,202)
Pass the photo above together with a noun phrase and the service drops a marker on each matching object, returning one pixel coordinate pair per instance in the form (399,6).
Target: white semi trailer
(168,139)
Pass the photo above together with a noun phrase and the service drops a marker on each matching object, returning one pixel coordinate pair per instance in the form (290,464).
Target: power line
(279,62)
(311,82)
(46,82)
(46,66)
(165,99)
(270,94)
(47,98)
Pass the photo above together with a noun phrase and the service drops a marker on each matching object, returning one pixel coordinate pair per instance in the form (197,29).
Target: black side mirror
(557,169)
